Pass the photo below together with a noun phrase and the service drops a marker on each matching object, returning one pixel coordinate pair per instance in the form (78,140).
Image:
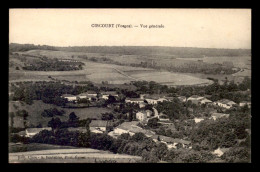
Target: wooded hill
(180,52)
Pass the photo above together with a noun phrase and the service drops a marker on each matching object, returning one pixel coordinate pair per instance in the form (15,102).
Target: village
(142,116)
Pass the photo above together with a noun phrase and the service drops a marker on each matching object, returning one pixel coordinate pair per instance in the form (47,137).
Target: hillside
(181,52)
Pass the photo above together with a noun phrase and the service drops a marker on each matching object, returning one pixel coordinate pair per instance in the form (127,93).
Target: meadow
(39,153)
(35,118)
(106,71)
(111,73)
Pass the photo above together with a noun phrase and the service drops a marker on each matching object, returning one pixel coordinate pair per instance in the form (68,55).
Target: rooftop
(195,97)
(134,99)
(226,101)
(68,95)
(170,140)
(131,126)
(206,100)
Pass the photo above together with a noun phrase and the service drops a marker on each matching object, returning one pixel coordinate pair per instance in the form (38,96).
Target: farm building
(86,95)
(154,99)
(82,95)
(243,103)
(225,103)
(105,95)
(195,99)
(151,101)
(215,116)
(134,100)
(92,93)
(171,142)
(131,128)
(205,101)
(30,132)
(69,97)
(98,126)
(142,104)
(220,151)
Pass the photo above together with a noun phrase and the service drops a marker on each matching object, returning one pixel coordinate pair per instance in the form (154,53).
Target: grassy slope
(86,155)
(38,107)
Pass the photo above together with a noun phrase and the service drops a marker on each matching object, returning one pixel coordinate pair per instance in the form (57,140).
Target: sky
(206,28)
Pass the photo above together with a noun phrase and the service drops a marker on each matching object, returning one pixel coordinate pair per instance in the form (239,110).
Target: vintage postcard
(129,85)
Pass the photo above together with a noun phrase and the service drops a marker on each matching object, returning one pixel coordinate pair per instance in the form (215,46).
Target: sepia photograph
(116,85)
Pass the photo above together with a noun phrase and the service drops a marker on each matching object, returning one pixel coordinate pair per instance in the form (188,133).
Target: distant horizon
(127,46)
(204,28)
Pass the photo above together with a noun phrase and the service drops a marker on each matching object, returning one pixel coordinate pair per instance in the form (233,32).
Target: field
(68,155)
(35,110)
(111,73)
(239,61)
(13,147)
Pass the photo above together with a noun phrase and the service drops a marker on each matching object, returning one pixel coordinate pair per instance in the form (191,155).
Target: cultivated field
(117,74)
(111,73)
(238,61)
(169,78)
(83,155)
(20,147)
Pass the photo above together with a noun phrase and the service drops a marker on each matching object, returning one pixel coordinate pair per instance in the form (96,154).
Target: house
(182,98)
(141,116)
(216,116)
(105,95)
(134,100)
(168,98)
(30,132)
(154,99)
(197,120)
(205,101)
(86,95)
(69,97)
(225,103)
(131,128)
(162,99)
(171,142)
(92,93)
(243,103)
(149,113)
(220,151)
(82,95)
(151,101)
(142,104)
(98,126)
(195,99)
